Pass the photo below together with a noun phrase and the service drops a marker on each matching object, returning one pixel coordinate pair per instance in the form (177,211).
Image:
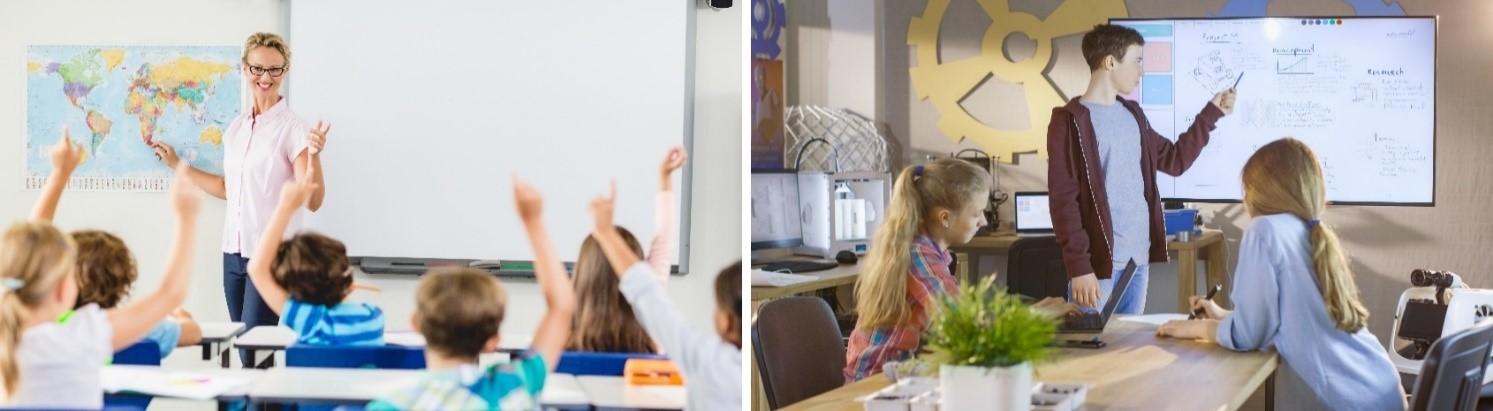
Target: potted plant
(984,342)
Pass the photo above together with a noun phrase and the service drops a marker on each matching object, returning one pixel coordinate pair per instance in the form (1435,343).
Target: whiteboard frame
(686,176)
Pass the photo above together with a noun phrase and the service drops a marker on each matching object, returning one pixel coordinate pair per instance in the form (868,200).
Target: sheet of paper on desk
(1153,319)
(163,383)
(661,396)
(772,279)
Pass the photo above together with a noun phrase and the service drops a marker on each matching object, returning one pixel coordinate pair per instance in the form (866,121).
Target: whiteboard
(434,105)
(1361,91)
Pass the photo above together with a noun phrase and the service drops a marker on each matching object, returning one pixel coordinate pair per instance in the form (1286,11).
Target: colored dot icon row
(1321,22)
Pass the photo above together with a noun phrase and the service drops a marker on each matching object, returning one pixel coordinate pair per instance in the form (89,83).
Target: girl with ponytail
(932,207)
(1295,292)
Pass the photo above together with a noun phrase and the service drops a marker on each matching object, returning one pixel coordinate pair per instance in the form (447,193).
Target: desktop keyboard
(798,266)
(772,279)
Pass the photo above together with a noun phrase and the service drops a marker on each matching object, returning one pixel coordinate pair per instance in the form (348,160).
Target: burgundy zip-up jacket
(1075,182)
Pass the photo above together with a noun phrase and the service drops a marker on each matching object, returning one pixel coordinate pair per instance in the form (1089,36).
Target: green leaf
(982,325)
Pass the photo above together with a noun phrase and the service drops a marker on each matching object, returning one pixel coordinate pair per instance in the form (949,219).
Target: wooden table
(1209,246)
(1137,371)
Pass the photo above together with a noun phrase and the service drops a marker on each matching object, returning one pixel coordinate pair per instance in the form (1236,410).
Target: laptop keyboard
(1087,320)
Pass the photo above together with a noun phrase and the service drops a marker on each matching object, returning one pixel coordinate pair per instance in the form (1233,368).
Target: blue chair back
(385,357)
(598,363)
(391,357)
(140,353)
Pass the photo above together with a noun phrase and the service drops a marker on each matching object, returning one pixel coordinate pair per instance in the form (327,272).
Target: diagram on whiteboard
(1213,73)
(1293,60)
(1359,91)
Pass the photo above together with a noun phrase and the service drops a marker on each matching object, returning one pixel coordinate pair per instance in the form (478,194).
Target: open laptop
(1033,217)
(1083,330)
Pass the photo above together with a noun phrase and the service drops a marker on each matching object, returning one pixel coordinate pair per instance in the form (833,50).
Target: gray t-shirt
(1119,157)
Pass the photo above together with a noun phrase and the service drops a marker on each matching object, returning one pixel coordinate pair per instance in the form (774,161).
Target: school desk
(1136,371)
(215,336)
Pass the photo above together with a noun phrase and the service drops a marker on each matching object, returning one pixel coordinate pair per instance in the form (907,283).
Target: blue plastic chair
(598,363)
(385,357)
(140,353)
(391,357)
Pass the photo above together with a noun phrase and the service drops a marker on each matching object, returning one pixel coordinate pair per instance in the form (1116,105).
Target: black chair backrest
(798,348)
(1451,377)
(1035,268)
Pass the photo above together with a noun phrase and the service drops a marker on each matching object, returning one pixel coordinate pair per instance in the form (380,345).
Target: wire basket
(852,142)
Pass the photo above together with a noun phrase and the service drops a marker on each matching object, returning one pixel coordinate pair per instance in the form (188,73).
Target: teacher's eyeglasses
(274,71)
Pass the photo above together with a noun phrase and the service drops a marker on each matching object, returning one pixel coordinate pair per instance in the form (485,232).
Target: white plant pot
(981,388)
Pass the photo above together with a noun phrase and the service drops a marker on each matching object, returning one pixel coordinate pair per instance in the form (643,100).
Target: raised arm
(132,321)
(210,183)
(554,282)
(65,157)
(308,163)
(657,314)
(1175,158)
(606,234)
(294,196)
(661,251)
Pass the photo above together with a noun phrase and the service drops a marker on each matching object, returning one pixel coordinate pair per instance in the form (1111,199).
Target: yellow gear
(946,83)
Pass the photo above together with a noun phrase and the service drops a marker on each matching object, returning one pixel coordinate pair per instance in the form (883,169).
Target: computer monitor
(775,209)
(1032,213)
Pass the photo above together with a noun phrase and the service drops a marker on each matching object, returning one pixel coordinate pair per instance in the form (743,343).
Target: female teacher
(262,150)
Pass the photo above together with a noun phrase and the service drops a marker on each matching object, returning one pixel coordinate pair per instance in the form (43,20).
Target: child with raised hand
(1295,293)
(604,322)
(50,355)
(306,279)
(459,310)
(711,362)
(106,269)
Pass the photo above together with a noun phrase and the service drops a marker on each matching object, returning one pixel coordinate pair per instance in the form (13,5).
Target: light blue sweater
(1279,306)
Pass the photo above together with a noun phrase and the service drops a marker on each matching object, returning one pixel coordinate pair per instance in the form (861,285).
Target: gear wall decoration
(946,83)
(769,17)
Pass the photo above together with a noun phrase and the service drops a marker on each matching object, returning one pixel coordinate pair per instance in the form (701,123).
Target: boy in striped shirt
(305,280)
(458,310)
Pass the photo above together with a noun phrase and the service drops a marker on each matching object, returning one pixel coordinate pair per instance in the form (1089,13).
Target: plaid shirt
(512,386)
(927,280)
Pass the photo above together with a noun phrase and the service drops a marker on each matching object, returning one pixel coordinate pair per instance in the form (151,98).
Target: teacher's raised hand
(317,138)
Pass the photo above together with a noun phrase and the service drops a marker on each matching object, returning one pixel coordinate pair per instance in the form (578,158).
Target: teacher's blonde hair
(271,40)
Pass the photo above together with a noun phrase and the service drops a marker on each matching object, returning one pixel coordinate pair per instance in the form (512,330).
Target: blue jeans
(244,303)
(1134,301)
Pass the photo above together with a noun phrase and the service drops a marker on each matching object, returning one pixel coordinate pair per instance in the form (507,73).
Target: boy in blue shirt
(305,279)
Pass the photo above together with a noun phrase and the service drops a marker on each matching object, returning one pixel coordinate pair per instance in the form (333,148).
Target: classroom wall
(830,59)
(1386,243)
(141,219)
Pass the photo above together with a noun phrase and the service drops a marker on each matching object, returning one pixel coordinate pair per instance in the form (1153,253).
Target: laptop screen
(1032,214)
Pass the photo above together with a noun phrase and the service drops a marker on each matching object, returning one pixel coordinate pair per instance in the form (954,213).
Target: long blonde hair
(1284,177)
(34,259)
(881,294)
(604,321)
